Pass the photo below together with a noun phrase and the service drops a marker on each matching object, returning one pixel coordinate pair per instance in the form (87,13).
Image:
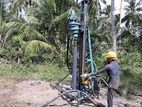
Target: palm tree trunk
(1,13)
(120,25)
(1,9)
(98,13)
(113,26)
(121,5)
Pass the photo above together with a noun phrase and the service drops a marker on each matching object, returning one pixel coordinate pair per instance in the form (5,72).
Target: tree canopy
(39,29)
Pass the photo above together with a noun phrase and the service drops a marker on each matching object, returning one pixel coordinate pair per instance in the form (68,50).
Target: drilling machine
(82,51)
(80,37)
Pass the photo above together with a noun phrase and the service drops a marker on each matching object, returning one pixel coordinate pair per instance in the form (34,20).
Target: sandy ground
(36,93)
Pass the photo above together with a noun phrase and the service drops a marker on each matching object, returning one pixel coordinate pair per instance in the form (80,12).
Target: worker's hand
(85,75)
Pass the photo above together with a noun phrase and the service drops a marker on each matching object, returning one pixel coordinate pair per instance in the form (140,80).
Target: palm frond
(34,46)
(22,28)
(30,15)
(62,16)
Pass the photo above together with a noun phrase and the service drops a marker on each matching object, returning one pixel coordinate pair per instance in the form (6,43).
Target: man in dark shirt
(113,70)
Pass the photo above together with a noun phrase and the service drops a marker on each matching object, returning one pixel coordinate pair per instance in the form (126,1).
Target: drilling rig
(79,40)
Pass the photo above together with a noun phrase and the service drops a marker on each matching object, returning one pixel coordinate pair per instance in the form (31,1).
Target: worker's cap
(111,54)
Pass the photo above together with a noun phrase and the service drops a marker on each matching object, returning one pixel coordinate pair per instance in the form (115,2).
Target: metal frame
(82,56)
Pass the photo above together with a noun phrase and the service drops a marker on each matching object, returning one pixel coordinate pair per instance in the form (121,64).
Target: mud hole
(35,93)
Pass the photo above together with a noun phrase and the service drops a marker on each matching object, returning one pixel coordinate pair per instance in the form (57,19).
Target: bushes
(31,71)
(130,71)
(131,65)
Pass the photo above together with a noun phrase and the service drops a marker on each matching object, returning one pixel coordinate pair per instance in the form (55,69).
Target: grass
(49,72)
(52,72)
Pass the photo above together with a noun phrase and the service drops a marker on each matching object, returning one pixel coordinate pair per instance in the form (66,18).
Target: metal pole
(85,34)
(90,54)
(74,29)
(74,72)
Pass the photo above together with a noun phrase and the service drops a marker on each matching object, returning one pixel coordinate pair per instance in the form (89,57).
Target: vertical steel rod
(84,35)
(74,72)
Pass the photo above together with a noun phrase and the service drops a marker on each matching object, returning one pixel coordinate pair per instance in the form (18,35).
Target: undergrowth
(49,72)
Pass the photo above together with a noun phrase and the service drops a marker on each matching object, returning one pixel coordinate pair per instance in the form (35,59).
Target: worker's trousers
(111,97)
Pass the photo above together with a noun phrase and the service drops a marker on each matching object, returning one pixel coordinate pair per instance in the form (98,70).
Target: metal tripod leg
(81,92)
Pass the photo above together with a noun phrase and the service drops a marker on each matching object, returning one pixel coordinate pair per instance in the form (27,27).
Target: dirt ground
(36,93)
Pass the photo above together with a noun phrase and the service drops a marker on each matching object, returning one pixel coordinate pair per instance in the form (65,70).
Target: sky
(117,5)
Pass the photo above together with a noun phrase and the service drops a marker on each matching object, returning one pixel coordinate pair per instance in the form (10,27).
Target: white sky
(117,4)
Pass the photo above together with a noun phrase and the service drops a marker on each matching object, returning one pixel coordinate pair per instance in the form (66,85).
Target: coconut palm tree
(133,26)
(18,7)
(41,26)
(132,16)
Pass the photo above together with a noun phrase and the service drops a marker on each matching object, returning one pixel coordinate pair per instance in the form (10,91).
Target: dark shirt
(113,71)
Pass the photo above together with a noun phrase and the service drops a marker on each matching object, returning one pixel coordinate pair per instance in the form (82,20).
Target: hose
(70,91)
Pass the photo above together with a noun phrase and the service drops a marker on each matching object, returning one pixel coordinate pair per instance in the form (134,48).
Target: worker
(113,70)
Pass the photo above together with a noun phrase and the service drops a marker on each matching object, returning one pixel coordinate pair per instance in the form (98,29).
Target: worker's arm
(106,68)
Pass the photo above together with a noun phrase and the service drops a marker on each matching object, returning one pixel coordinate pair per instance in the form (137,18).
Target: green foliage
(49,72)
(33,47)
(22,29)
(130,71)
(34,32)
(8,53)
(99,60)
